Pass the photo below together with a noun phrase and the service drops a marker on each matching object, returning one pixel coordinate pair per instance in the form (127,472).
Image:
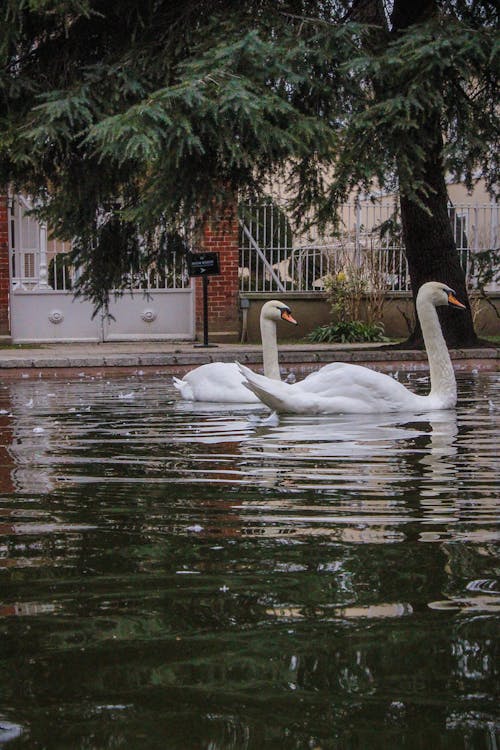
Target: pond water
(195,577)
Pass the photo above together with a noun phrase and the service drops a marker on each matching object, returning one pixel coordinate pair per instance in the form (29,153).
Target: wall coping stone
(173,358)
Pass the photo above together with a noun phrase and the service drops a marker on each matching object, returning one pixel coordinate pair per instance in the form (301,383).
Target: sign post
(204,265)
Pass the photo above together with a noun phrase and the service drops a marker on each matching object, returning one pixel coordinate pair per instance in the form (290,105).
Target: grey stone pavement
(181,355)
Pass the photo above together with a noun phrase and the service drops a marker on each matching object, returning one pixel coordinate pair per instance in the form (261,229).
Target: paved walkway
(179,355)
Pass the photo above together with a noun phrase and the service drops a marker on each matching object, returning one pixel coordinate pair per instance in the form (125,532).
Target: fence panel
(39,261)
(274,258)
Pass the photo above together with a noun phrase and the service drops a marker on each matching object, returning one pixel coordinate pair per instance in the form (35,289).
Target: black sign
(203,264)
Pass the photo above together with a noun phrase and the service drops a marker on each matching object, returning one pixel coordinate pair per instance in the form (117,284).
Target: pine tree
(128,121)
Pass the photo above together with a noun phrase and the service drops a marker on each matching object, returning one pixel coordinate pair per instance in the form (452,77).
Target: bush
(345,291)
(348,332)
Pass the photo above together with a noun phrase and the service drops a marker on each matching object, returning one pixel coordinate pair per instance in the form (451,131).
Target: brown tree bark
(427,234)
(432,255)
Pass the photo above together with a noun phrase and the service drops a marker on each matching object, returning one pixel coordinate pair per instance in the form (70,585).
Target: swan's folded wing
(278,396)
(356,382)
(335,388)
(289,398)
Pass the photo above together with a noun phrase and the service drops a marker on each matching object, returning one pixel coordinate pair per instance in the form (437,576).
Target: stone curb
(296,355)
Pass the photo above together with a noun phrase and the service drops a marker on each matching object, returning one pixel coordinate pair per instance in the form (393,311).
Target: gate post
(4,265)
(221,235)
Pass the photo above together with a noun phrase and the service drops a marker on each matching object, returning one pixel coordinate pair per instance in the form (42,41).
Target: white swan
(350,389)
(222,381)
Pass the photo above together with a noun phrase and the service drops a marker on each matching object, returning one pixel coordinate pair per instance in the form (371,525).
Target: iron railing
(38,261)
(275,258)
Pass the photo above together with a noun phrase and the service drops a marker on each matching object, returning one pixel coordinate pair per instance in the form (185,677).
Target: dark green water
(173,576)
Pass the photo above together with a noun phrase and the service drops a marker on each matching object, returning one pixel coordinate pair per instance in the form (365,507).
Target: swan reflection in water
(375,445)
(340,477)
(323,434)
(354,480)
(371,454)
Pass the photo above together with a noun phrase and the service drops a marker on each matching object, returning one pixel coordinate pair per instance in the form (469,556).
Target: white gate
(43,308)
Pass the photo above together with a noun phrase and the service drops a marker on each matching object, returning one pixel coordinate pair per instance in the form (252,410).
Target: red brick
(221,235)
(4,265)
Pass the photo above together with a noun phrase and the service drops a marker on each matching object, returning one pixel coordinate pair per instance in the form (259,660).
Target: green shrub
(345,291)
(348,332)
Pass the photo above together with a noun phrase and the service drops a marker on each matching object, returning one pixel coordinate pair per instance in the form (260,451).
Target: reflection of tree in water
(317,632)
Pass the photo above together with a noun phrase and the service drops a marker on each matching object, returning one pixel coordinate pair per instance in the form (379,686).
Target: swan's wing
(215,382)
(283,397)
(266,390)
(353,381)
(335,388)
(373,391)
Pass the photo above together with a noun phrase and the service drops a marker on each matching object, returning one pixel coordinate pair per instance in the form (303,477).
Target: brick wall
(221,235)
(4,267)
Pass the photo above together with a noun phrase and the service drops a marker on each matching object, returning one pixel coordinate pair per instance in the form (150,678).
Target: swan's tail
(271,392)
(184,388)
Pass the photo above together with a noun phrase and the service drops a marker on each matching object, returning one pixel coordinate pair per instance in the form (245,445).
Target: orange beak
(452,300)
(285,315)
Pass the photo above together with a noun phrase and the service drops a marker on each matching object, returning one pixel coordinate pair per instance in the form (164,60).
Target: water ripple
(258,580)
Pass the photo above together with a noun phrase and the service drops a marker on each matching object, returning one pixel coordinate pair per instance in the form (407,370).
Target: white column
(42,268)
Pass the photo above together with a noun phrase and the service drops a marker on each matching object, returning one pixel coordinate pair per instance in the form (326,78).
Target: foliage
(484,271)
(348,332)
(345,292)
(359,290)
(59,272)
(120,118)
(485,268)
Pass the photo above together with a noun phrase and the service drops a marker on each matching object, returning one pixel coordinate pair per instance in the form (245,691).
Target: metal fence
(275,258)
(41,262)
(62,275)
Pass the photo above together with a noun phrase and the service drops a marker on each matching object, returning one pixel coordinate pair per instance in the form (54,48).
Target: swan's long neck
(270,349)
(443,383)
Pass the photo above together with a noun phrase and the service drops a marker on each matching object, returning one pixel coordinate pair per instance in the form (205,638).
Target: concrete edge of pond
(178,357)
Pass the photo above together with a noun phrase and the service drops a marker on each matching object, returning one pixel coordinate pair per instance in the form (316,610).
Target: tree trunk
(432,254)
(427,234)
